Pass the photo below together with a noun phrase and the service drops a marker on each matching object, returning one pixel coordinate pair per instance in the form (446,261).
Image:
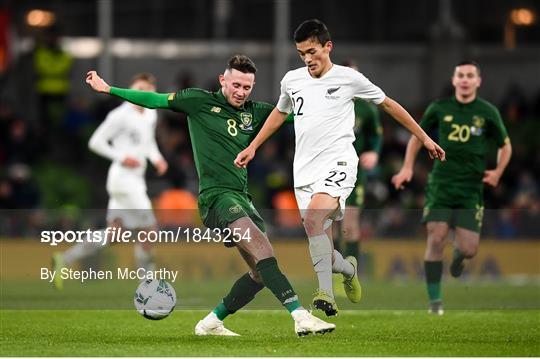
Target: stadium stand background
(45,166)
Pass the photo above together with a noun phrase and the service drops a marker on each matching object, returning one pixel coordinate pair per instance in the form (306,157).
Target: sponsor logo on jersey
(247,121)
(448,118)
(215,109)
(295,92)
(171,96)
(330,93)
(235,209)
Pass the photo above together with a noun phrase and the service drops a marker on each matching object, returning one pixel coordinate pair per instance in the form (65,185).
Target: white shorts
(338,182)
(133,208)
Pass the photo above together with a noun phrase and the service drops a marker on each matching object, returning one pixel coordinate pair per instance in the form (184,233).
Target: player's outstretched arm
(395,110)
(406,172)
(141,98)
(97,83)
(492,177)
(272,123)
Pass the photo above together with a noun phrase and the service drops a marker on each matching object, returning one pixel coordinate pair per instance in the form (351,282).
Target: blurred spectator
(514,103)
(7,200)
(25,193)
(19,144)
(52,67)
(76,129)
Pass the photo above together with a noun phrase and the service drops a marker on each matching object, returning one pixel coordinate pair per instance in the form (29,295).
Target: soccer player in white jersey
(325,164)
(127,138)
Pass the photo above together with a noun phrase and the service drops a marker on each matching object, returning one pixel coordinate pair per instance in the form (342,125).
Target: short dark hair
(242,63)
(349,63)
(312,28)
(144,76)
(470,62)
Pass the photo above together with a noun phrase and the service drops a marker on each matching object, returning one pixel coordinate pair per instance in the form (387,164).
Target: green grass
(270,333)
(98,319)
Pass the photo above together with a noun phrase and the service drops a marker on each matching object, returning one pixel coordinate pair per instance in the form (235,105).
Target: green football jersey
(367,127)
(463,131)
(218,133)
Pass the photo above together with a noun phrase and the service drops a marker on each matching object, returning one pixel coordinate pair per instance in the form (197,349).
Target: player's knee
(435,242)
(312,225)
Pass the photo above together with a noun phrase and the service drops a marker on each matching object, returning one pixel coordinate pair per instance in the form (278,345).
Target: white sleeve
(99,142)
(153,151)
(284,103)
(364,89)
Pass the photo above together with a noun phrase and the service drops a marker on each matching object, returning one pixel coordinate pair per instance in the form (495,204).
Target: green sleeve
(188,100)
(498,130)
(373,129)
(430,120)
(142,98)
(290,117)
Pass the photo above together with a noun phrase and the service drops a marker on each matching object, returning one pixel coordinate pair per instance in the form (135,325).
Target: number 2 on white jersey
(333,181)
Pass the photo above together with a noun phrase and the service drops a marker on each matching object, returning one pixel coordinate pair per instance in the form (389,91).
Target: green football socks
(242,292)
(433,279)
(274,280)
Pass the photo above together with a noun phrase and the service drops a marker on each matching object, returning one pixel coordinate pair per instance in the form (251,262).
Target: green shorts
(458,208)
(356,198)
(219,208)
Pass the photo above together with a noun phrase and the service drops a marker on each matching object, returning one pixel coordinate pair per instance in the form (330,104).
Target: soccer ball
(155,299)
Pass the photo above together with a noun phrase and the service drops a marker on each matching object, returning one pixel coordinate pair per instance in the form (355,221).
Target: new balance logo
(332,90)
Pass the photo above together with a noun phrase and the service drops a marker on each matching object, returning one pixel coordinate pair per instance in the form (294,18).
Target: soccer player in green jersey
(465,124)
(368,132)
(221,124)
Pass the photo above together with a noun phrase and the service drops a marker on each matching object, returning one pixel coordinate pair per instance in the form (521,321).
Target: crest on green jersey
(448,118)
(477,127)
(478,121)
(247,120)
(235,209)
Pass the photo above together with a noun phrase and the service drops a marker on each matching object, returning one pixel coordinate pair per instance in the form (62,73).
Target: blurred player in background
(368,132)
(221,124)
(454,195)
(325,164)
(127,138)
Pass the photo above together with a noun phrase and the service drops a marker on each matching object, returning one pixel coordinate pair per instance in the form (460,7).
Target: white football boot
(211,325)
(306,323)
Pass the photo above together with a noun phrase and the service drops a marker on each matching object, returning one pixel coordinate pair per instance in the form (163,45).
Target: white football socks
(320,249)
(82,250)
(340,265)
(144,258)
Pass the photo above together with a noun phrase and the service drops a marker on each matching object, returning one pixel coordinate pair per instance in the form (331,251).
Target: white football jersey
(127,132)
(324,118)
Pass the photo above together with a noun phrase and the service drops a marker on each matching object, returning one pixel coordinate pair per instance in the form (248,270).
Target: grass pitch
(481,319)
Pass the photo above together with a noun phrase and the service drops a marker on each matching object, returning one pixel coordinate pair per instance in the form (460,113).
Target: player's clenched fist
(96,82)
(244,157)
(401,178)
(434,150)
